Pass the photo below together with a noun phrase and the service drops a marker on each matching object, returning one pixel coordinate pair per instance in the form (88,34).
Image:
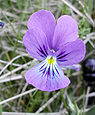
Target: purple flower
(2,24)
(55,45)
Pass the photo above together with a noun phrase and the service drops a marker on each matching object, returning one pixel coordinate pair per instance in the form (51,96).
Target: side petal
(65,31)
(41,78)
(45,21)
(35,42)
(71,53)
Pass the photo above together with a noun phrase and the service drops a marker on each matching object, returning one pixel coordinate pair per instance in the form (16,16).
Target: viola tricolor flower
(56,45)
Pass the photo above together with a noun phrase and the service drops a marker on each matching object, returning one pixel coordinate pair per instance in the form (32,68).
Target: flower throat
(51,60)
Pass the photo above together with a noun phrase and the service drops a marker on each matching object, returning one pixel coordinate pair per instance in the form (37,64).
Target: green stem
(64,102)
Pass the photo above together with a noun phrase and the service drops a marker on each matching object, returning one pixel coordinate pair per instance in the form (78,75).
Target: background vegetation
(15,94)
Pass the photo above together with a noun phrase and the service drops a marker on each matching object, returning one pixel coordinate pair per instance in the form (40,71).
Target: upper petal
(45,21)
(44,78)
(35,42)
(71,53)
(66,31)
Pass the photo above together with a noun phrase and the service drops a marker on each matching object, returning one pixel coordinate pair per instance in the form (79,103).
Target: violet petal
(35,42)
(66,31)
(45,21)
(71,53)
(46,78)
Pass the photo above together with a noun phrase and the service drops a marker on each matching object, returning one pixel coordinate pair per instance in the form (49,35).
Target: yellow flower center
(51,60)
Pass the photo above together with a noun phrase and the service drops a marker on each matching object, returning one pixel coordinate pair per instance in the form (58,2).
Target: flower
(2,24)
(56,45)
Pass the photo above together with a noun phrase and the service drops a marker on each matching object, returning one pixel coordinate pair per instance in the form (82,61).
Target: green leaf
(90,4)
(0,110)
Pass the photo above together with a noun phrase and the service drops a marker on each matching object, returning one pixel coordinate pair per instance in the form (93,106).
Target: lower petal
(43,80)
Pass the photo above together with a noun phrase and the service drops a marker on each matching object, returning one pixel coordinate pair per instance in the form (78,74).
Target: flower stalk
(64,102)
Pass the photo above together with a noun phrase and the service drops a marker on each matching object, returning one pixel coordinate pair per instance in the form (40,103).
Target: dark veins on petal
(46,71)
(43,52)
(53,72)
(61,56)
(42,66)
(40,54)
(45,49)
(57,71)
